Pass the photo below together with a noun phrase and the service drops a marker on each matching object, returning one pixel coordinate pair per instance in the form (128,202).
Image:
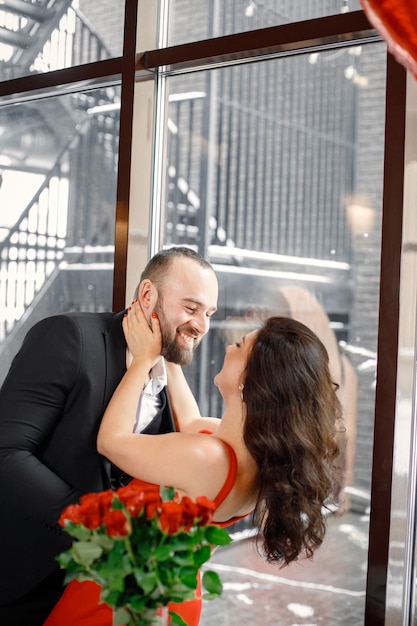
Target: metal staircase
(52,139)
(25,27)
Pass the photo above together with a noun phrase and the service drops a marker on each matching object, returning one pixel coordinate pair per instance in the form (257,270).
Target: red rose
(170,517)
(148,490)
(91,512)
(206,508)
(116,523)
(152,508)
(105,499)
(137,494)
(71,514)
(190,511)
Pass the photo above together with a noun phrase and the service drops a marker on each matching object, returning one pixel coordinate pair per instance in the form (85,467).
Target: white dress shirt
(149,401)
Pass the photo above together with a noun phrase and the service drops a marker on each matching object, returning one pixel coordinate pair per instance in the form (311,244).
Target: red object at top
(396,22)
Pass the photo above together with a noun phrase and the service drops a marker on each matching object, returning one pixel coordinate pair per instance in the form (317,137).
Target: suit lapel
(115,349)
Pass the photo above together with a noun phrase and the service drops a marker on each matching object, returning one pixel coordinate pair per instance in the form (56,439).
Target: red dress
(80,603)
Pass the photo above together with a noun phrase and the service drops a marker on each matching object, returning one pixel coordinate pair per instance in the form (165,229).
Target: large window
(280,187)
(273,143)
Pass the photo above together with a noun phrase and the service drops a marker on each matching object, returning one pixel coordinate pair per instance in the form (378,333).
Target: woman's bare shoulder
(206,463)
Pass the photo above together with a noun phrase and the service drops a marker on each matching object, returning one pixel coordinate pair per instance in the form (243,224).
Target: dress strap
(231,475)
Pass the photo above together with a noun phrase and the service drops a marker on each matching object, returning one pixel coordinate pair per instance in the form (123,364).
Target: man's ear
(147,295)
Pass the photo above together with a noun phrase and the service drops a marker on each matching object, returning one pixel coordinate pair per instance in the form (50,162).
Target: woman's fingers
(142,337)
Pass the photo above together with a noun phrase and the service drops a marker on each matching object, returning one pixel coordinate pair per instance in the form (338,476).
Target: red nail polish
(154,314)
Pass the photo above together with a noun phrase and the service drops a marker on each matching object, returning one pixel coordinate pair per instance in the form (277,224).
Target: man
(51,405)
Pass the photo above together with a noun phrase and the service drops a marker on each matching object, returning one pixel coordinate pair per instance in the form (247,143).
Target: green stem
(98,579)
(144,618)
(129,550)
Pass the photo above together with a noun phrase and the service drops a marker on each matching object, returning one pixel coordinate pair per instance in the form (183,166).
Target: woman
(274,451)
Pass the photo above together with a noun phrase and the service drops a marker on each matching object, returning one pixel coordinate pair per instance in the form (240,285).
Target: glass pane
(192,20)
(58,162)
(37,36)
(280,187)
(403,530)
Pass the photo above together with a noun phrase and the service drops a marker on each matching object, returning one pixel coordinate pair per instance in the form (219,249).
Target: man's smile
(188,338)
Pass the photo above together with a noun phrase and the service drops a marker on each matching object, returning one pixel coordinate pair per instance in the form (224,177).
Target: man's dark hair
(159,264)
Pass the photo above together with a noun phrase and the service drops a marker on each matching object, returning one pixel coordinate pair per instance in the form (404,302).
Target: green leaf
(181,595)
(65,559)
(202,555)
(162,553)
(78,531)
(110,597)
(71,575)
(143,552)
(138,602)
(209,596)
(176,619)
(121,616)
(212,583)
(217,536)
(181,561)
(86,553)
(148,581)
(104,541)
(117,561)
(116,583)
(117,504)
(188,576)
(108,573)
(167,493)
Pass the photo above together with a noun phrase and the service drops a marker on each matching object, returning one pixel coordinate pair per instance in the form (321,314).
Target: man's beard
(171,351)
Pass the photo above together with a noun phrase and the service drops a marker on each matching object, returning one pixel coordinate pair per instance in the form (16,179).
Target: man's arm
(31,403)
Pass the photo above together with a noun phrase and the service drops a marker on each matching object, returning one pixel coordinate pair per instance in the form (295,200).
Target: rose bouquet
(144,547)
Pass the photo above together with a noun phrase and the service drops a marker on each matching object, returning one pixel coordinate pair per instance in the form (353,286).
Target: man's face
(186,301)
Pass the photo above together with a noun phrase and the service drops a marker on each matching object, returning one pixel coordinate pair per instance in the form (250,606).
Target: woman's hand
(142,340)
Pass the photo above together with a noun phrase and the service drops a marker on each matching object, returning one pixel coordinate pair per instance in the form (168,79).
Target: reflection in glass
(58,163)
(274,173)
(227,17)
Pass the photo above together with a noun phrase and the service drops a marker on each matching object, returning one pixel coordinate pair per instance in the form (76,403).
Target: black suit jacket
(51,405)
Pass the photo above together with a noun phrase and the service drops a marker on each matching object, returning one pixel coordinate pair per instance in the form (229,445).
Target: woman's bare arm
(145,345)
(184,406)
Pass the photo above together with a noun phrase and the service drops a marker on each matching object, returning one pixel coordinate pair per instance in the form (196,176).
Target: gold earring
(241,388)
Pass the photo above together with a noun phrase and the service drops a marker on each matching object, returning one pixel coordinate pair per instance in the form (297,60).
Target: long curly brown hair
(291,430)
